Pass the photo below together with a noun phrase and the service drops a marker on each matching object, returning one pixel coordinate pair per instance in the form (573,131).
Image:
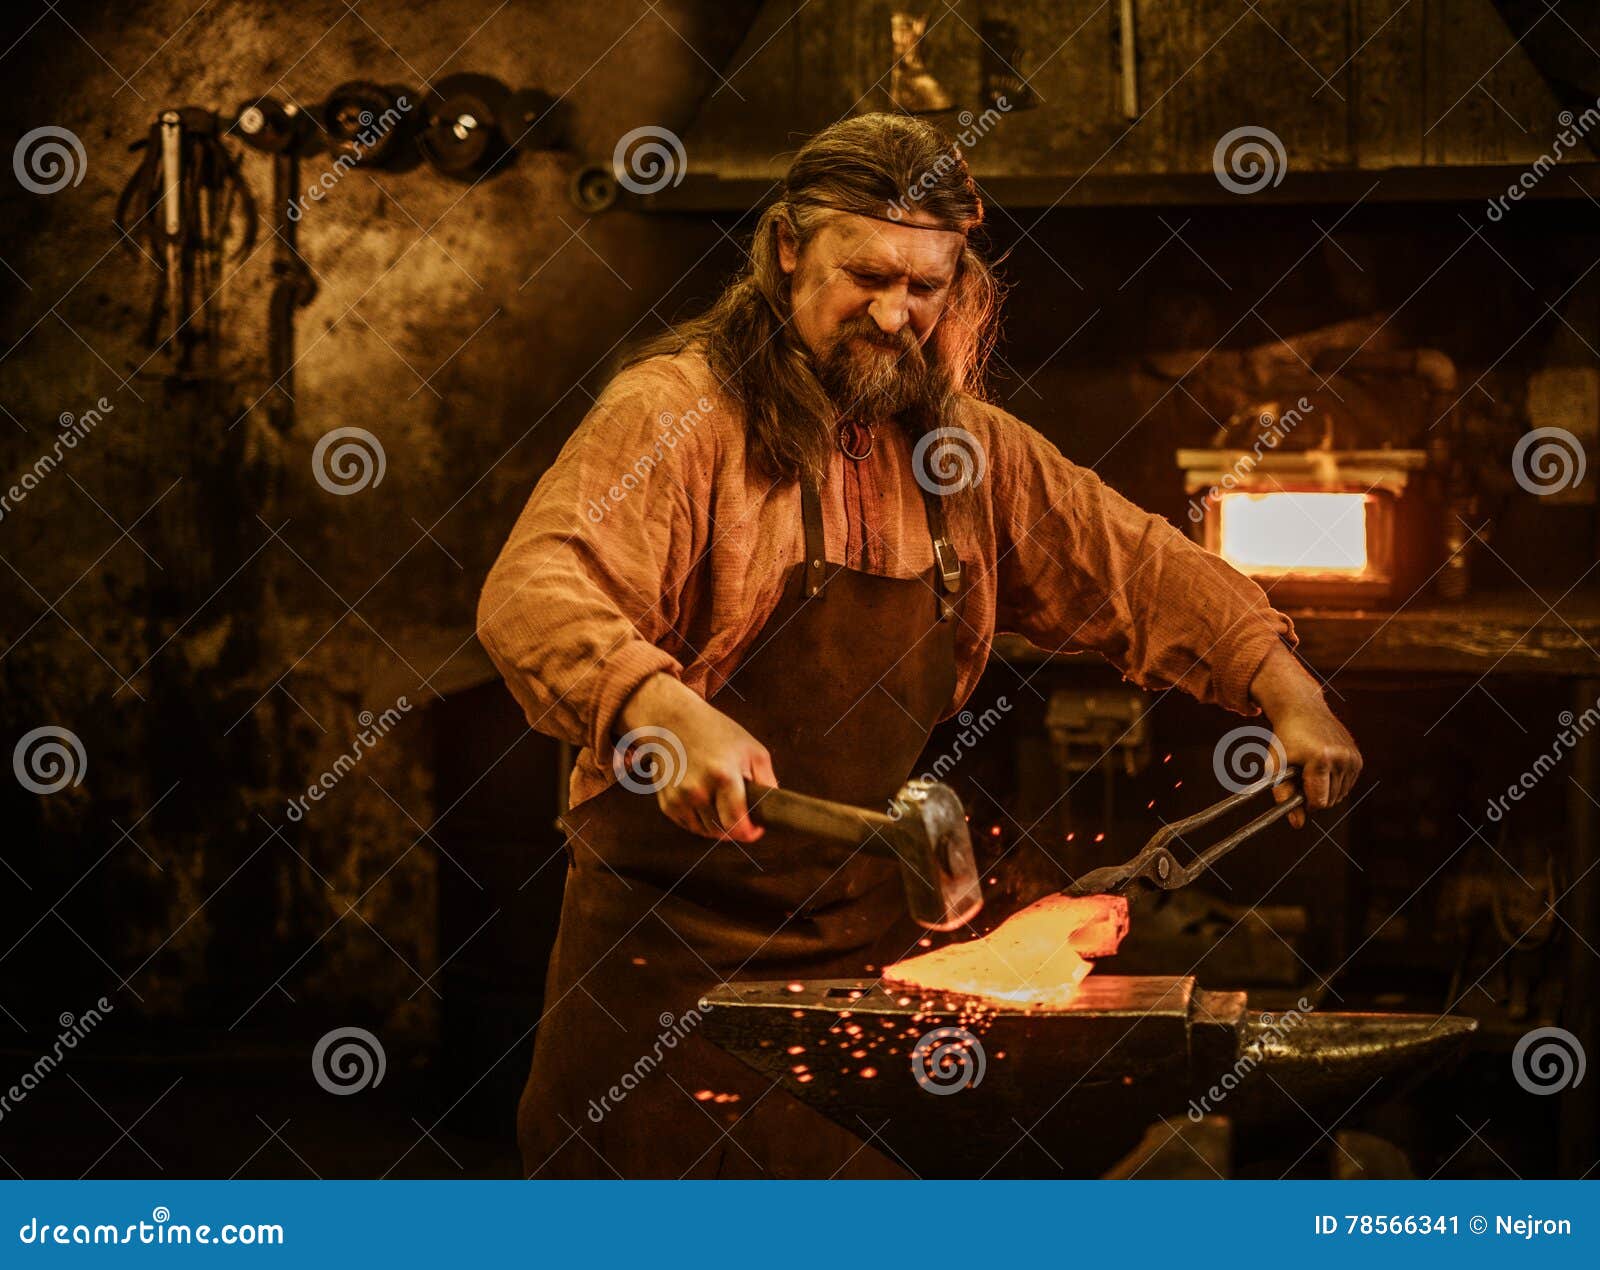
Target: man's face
(866,295)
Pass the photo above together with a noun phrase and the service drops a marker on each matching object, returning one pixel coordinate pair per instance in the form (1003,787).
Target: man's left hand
(1312,739)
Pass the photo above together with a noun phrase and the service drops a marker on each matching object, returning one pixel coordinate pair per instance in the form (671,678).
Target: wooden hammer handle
(837,822)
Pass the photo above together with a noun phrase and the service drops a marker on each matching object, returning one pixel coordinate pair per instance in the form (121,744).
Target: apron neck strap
(811,518)
(946,561)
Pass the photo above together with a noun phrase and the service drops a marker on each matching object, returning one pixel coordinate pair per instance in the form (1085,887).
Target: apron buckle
(949,564)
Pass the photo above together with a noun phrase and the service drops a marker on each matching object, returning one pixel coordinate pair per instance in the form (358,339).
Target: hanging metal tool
(293,289)
(282,131)
(186,197)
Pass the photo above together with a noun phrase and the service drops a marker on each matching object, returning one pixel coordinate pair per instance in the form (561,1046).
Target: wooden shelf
(739,190)
(1496,633)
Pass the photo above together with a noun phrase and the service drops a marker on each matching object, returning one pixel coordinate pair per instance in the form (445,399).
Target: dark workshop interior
(1381,309)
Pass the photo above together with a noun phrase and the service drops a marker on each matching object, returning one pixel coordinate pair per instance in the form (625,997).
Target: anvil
(958,1088)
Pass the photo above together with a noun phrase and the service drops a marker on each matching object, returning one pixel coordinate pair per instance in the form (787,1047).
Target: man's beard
(871,375)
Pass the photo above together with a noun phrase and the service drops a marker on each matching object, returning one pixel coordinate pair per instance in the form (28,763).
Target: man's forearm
(1282,686)
(1308,736)
(656,702)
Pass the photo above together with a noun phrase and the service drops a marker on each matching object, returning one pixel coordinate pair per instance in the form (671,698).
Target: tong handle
(1178,875)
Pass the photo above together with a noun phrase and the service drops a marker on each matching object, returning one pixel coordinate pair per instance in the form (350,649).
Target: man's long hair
(882,165)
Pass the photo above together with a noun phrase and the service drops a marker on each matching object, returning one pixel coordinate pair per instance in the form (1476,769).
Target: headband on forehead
(892,220)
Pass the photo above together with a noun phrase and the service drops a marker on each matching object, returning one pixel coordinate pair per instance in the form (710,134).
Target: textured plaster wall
(181,594)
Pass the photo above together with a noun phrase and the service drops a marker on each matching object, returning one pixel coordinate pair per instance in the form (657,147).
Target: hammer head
(934,847)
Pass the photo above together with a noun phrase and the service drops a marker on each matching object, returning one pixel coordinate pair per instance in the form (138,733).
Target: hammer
(925,830)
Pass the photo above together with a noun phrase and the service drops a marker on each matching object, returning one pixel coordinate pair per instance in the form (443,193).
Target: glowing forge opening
(1294,531)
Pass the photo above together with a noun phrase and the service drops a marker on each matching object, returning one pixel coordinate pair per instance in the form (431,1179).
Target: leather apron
(843,685)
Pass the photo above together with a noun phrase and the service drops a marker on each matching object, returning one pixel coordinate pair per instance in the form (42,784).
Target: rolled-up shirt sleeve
(579,608)
(1079,567)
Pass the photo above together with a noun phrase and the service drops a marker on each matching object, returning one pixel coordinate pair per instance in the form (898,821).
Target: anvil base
(952,1087)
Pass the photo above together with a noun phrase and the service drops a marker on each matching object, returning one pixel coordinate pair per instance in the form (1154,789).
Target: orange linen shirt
(652,545)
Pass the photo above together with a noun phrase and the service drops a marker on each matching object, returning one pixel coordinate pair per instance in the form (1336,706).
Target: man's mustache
(901,341)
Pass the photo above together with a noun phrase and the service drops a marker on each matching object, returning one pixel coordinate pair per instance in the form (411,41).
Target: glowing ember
(1036,957)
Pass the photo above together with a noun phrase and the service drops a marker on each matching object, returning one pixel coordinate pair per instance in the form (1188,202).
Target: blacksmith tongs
(1157,869)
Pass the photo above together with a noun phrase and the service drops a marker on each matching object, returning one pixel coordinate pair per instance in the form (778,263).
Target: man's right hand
(708,796)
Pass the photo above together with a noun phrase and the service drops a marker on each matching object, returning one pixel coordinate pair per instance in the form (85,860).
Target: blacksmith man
(798,589)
